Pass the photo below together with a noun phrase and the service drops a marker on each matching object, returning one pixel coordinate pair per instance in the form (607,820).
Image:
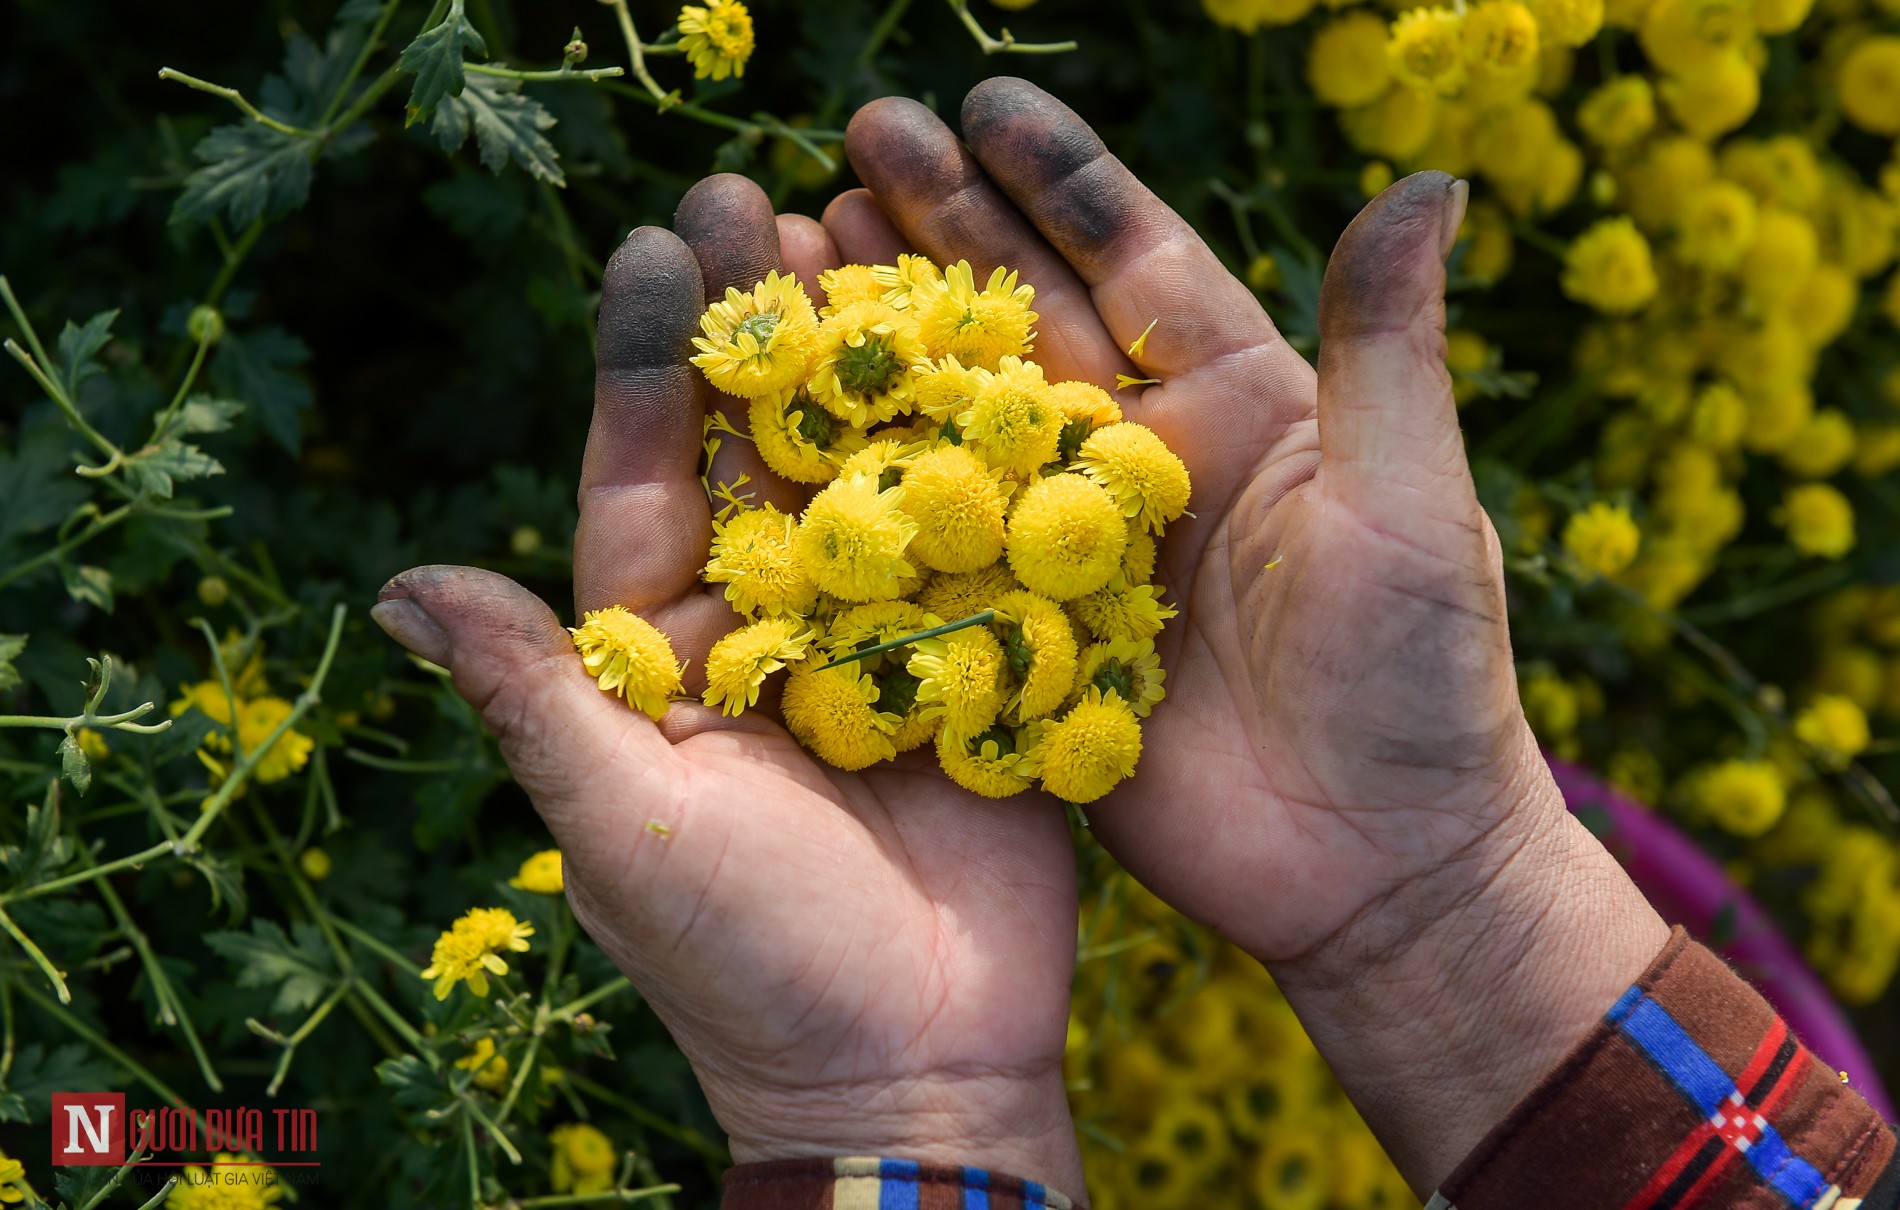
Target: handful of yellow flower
(975,569)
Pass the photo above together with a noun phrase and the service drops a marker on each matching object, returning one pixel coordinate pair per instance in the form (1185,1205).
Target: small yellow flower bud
(524,541)
(315,864)
(213,591)
(205,325)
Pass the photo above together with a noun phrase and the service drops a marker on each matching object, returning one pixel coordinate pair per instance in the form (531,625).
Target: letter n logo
(89,1128)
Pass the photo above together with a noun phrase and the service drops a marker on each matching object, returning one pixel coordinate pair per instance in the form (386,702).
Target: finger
(644,523)
(862,231)
(727,221)
(806,249)
(940,199)
(513,662)
(1388,426)
(1141,260)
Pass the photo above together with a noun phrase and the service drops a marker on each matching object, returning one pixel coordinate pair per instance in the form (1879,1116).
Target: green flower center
(896,690)
(1000,736)
(868,369)
(760,327)
(1069,444)
(816,425)
(1115,676)
(1016,649)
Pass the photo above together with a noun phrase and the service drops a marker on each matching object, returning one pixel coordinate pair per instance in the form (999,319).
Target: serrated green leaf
(204,414)
(37,489)
(436,59)
(507,126)
(87,583)
(74,765)
(250,172)
(78,1186)
(414,1085)
(11,645)
(79,349)
(46,851)
(266,956)
(154,470)
(38,1073)
(260,368)
(225,879)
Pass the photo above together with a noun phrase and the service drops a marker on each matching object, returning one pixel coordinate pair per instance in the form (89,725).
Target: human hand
(1341,780)
(871,963)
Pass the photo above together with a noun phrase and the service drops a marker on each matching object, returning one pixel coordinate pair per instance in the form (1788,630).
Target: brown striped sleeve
(1690,1092)
(871,1183)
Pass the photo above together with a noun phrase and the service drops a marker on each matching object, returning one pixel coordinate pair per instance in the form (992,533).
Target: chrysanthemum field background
(1672,327)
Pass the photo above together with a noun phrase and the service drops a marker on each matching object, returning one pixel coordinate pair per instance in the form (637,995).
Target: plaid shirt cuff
(869,1183)
(1690,1092)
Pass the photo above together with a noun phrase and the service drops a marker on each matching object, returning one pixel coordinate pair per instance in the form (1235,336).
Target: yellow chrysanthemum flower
(885,459)
(1085,407)
(13,1176)
(853,538)
(1824,445)
(257,720)
(1619,113)
(233,1182)
(799,439)
(1500,42)
(716,38)
(960,680)
(1138,561)
(1835,727)
(878,622)
(1065,537)
(1567,22)
(1819,520)
(1745,797)
(1120,610)
(629,656)
(490,1068)
(471,950)
(1138,469)
(986,764)
(1602,538)
(1869,85)
(1717,226)
(209,699)
(1248,16)
(1609,268)
(1427,51)
(960,595)
(1126,668)
(1082,755)
(835,714)
(1782,257)
(759,342)
(756,556)
(540,874)
(583,1161)
(957,503)
(848,284)
(946,386)
(1010,421)
(1346,63)
(979,327)
(866,354)
(738,663)
(900,279)
(1714,98)
(93,743)
(1039,649)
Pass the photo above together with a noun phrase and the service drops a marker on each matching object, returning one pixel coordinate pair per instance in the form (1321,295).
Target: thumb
(1388,426)
(512,660)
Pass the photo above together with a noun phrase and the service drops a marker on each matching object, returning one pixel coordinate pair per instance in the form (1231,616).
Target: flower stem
(52,973)
(1007,44)
(975,619)
(236,98)
(559,73)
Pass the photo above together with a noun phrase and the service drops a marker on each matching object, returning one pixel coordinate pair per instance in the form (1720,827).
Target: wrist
(1008,1123)
(1448,999)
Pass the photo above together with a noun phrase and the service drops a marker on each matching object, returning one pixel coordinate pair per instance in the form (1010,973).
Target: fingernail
(404,621)
(1460,192)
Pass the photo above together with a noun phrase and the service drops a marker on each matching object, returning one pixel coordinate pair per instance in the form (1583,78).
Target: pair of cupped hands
(1341,781)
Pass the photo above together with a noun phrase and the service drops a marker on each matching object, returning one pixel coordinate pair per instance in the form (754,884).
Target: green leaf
(250,172)
(46,851)
(38,1073)
(265,956)
(78,1186)
(260,367)
(11,645)
(37,489)
(87,583)
(74,765)
(225,879)
(436,59)
(507,126)
(203,414)
(414,1085)
(155,469)
(79,349)
(359,12)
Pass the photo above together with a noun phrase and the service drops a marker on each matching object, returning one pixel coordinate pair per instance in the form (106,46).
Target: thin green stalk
(184,385)
(474,1165)
(164,1192)
(53,974)
(581,1004)
(684,1135)
(558,73)
(1007,44)
(236,98)
(377,946)
(615,1196)
(315,1019)
(402,1027)
(169,1004)
(105,1190)
(19,317)
(975,619)
(98,1042)
(370,41)
(501,1138)
(521,1077)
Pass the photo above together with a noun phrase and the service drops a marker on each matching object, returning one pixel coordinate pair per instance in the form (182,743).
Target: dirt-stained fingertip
(728,222)
(902,150)
(650,299)
(1390,261)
